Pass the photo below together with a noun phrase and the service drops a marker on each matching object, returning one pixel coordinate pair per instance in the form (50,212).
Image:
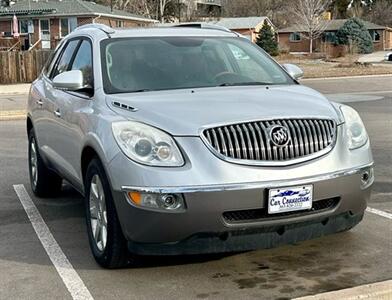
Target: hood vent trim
(124,106)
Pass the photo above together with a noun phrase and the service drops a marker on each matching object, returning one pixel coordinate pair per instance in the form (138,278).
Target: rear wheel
(107,241)
(44,182)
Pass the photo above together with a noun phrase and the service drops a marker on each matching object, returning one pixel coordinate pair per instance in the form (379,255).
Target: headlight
(146,144)
(356,131)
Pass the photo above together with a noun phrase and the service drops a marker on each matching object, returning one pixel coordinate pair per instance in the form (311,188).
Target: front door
(70,110)
(44,33)
(52,122)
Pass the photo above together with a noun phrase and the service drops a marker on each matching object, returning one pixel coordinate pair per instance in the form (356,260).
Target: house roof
(241,23)
(332,25)
(33,8)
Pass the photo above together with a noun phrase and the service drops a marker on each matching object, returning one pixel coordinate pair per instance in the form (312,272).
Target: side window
(51,61)
(83,62)
(65,59)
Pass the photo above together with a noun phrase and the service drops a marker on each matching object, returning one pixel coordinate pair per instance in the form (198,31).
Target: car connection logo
(279,135)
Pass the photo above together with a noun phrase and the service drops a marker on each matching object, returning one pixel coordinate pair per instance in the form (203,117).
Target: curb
(14,93)
(379,290)
(11,115)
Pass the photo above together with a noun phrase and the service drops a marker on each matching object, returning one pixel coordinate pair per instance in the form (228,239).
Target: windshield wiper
(245,83)
(140,91)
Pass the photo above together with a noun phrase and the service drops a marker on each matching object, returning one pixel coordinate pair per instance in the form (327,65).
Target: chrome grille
(251,141)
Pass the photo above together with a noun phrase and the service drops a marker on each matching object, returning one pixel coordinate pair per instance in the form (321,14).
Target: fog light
(166,202)
(367,178)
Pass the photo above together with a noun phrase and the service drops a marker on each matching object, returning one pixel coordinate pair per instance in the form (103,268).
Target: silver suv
(192,140)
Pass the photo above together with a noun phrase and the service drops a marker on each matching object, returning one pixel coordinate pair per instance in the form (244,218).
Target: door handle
(39,102)
(57,113)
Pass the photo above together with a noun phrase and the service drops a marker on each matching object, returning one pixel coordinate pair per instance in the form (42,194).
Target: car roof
(154,32)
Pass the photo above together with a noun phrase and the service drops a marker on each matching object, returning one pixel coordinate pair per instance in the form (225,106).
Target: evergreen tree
(354,33)
(266,39)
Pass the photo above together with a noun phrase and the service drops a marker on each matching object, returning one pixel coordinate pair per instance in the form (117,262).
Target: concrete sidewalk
(15,89)
(374,57)
(13,101)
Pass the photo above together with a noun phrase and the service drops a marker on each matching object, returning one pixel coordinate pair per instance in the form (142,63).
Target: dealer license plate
(290,199)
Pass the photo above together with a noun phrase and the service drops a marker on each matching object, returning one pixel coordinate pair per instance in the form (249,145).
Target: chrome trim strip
(246,185)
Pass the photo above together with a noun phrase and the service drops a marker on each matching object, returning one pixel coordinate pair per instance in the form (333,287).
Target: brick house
(247,26)
(291,38)
(43,23)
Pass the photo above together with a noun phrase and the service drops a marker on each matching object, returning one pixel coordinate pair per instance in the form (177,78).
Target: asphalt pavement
(335,262)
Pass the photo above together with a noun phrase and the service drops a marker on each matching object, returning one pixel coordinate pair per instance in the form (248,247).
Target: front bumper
(207,205)
(250,239)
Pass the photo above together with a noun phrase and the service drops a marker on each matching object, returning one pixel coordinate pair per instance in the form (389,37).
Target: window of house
(67,25)
(295,37)
(375,35)
(329,37)
(83,62)
(119,24)
(64,27)
(23,26)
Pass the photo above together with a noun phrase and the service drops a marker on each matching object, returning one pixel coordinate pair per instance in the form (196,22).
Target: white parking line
(379,212)
(67,273)
(373,291)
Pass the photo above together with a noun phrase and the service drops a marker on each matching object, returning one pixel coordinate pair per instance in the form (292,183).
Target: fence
(21,66)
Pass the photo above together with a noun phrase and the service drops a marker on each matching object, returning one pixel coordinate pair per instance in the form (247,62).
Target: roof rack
(203,26)
(108,30)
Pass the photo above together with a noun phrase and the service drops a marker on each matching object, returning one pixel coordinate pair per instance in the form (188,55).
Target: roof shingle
(64,8)
(332,25)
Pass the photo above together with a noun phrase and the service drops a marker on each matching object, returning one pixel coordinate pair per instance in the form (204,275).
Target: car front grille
(254,215)
(252,141)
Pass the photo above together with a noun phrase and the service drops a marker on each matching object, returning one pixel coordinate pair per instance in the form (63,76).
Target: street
(344,260)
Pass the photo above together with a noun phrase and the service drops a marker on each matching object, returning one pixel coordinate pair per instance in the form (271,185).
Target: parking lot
(345,260)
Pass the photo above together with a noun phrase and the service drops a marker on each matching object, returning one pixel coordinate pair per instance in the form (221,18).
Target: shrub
(266,39)
(355,34)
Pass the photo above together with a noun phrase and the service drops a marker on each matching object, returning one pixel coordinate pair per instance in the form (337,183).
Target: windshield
(162,63)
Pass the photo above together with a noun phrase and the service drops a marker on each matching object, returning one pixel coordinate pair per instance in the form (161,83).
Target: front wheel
(107,241)
(44,182)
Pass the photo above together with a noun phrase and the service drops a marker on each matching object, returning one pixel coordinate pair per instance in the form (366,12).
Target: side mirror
(294,71)
(69,81)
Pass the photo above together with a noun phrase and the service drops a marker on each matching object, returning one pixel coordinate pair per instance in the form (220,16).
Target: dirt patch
(320,68)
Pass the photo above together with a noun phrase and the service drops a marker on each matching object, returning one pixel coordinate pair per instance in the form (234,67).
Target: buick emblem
(279,135)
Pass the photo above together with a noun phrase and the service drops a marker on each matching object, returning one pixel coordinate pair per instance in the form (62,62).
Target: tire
(101,217)
(43,181)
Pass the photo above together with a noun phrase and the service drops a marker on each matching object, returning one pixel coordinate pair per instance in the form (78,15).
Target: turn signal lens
(135,197)
(164,202)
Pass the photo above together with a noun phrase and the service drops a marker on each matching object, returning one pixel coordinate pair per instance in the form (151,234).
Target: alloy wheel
(98,213)
(33,162)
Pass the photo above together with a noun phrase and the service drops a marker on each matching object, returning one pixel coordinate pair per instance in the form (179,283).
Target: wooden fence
(22,66)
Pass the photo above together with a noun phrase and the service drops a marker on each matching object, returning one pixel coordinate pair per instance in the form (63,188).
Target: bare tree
(307,15)
(381,12)
(162,7)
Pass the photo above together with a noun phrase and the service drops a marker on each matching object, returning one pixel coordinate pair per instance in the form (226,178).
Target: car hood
(185,112)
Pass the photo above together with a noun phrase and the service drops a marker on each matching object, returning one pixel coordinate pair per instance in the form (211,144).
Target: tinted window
(65,58)
(139,64)
(83,62)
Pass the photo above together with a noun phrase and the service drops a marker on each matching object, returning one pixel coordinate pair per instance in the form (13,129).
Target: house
(247,26)
(43,23)
(292,39)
